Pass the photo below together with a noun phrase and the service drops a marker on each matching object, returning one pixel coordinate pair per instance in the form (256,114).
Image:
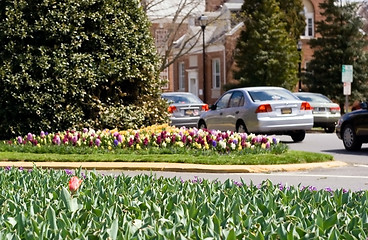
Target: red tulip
(74,184)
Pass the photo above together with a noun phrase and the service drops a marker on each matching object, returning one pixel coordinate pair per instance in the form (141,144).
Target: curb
(174,167)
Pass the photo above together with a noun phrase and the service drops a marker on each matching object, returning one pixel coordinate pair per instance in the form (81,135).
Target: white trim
(181,76)
(216,74)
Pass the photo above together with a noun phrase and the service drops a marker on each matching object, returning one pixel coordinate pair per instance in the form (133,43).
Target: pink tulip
(74,184)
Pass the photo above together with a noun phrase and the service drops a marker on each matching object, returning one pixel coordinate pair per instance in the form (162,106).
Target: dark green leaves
(266,52)
(70,62)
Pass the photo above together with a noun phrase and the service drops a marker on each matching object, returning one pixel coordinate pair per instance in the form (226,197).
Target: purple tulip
(68,172)
(74,139)
(98,142)
(57,140)
(29,136)
(120,138)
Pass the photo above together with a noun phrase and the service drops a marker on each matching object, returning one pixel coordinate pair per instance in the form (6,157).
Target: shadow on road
(362,152)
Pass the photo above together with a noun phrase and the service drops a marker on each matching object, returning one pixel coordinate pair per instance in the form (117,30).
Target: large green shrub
(72,62)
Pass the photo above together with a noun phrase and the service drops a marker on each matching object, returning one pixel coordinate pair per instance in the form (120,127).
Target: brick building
(205,77)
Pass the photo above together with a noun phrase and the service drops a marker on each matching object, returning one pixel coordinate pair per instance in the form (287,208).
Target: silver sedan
(260,110)
(325,112)
(184,108)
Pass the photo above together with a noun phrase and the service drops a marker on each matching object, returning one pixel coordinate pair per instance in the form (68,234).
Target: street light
(203,22)
(300,45)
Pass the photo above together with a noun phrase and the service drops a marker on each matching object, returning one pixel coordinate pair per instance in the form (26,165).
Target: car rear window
(314,98)
(181,99)
(271,95)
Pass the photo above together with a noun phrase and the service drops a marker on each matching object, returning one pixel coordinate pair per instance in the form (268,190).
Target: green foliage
(340,43)
(38,205)
(266,52)
(70,62)
(295,21)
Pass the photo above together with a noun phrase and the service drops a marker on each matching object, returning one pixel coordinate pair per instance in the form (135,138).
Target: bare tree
(173,26)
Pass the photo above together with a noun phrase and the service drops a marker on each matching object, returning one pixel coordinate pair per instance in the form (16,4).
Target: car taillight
(335,109)
(171,109)
(264,108)
(305,106)
(205,107)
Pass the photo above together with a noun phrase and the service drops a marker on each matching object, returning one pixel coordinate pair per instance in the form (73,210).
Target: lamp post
(300,45)
(203,22)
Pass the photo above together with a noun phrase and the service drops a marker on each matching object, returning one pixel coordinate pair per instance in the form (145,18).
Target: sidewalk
(175,167)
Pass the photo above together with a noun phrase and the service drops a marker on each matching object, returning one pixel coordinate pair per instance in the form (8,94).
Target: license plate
(286,111)
(316,110)
(191,112)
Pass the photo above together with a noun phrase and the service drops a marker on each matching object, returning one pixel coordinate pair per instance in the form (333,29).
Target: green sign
(347,73)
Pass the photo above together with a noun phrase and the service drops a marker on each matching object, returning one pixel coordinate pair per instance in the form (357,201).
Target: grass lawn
(288,157)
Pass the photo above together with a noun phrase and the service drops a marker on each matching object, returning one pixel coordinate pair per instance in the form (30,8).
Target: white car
(325,112)
(260,110)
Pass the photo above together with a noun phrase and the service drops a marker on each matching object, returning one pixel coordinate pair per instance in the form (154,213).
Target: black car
(352,128)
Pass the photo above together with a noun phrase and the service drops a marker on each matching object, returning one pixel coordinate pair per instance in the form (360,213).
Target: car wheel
(241,128)
(298,136)
(329,129)
(350,140)
(202,125)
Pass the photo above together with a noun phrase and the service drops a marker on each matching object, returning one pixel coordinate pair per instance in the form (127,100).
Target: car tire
(202,125)
(350,140)
(298,136)
(329,129)
(241,128)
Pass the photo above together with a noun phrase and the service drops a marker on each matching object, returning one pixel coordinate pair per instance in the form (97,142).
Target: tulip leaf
(217,224)
(70,203)
(231,235)
(113,231)
(331,221)
(52,218)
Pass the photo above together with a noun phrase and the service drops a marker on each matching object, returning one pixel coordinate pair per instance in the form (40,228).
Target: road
(354,176)
(330,144)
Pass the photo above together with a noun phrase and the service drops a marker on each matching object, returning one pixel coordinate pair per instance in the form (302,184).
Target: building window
(216,74)
(181,76)
(310,27)
(309,19)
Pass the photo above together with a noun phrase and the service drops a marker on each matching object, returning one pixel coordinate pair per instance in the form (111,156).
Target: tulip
(29,136)
(74,184)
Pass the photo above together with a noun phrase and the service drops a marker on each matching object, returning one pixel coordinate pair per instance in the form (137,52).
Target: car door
(232,113)
(215,117)
(361,123)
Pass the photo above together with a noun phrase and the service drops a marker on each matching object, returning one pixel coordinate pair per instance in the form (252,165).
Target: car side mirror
(363,105)
(213,107)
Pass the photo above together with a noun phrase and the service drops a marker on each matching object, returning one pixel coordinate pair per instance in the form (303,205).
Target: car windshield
(314,98)
(182,99)
(270,95)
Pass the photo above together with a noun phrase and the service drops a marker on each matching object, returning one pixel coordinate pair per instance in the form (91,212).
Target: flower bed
(160,137)
(42,204)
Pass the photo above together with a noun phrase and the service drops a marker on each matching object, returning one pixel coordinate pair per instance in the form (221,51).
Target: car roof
(307,93)
(257,88)
(177,93)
